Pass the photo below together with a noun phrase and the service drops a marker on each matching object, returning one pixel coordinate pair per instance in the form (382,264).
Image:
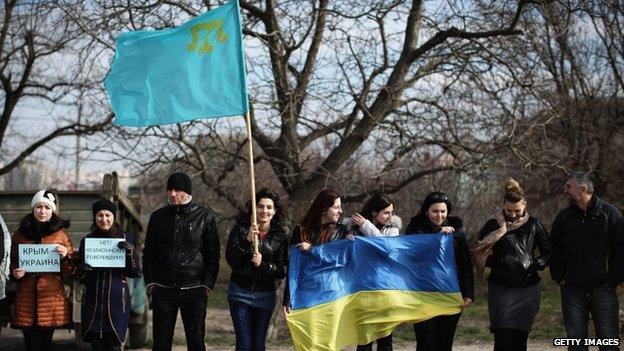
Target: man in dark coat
(180,264)
(587,240)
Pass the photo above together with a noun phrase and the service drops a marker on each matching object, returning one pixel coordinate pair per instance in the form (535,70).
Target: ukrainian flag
(353,292)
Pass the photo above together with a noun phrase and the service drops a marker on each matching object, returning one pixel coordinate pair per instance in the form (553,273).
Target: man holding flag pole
(193,71)
(197,70)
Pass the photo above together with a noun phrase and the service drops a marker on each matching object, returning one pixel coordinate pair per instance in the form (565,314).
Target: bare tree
(335,84)
(41,70)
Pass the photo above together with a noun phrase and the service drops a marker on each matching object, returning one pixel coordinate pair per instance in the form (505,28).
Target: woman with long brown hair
(507,244)
(320,225)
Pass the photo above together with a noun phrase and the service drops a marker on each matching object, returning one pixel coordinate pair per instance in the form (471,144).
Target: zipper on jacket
(102,306)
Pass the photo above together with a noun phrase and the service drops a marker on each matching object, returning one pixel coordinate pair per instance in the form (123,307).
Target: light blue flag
(196,70)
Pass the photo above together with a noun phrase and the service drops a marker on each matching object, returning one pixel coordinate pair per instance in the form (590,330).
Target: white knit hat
(46,197)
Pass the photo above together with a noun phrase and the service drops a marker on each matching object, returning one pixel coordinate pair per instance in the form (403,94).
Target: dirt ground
(11,339)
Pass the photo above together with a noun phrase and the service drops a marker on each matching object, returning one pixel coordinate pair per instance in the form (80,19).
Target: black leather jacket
(181,247)
(421,225)
(274,251)
(588,247)
(513,263)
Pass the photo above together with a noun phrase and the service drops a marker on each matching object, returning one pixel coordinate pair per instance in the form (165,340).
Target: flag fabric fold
(196,70)
(353,292)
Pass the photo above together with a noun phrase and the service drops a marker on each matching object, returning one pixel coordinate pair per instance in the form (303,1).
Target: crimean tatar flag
(196,70)
(353,292)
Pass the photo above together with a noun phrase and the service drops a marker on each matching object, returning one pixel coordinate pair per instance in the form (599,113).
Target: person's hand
(62,250)
(467,302)
(253,231)
(124,245)
(18,273)
(304,246)
(447,230)
(350,237)
(256,259)
(149,288)
(358,219)
(286,310)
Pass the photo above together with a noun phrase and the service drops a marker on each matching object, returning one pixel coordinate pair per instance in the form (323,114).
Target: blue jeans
(578,301)
(250,325)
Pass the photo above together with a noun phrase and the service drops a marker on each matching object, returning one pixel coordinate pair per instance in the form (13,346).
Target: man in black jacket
(180,264)
(588,261)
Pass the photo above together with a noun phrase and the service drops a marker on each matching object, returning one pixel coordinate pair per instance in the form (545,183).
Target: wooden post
(252,180)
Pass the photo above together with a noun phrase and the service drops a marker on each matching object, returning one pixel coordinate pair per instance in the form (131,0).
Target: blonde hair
(513,191)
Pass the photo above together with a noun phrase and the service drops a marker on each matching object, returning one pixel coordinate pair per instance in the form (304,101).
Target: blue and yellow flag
(196,70)
(353,292)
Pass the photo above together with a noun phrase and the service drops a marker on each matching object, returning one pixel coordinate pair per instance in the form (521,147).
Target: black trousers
(510,340)
(383,344)
(192,304)
(436,334)
(108,342)
(38,339)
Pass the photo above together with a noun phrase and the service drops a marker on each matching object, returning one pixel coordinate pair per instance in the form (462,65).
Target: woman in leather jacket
(507,245)
(437,334)
(251,293)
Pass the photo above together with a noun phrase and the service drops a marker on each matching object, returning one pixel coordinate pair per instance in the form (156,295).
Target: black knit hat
(103,205)
(180,181)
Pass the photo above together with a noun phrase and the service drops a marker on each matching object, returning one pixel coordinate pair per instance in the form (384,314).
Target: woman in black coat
(507,245)
(436,334)
(251,293)
(106,297)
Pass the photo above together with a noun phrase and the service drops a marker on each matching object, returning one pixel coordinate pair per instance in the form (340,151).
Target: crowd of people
(180,263)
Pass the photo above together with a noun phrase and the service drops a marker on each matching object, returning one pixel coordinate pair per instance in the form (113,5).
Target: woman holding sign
(39,259)
(107,258)
(437,333)
(251,293)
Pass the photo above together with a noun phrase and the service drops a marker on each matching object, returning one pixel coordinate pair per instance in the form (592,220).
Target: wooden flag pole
(252,180)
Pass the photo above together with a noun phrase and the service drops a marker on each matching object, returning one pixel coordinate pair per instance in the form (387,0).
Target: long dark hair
(376,203)
(312,220)
(434,198)
(421,221)
(264,193)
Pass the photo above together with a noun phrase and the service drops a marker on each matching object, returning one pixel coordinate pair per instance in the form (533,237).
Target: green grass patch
(473,325)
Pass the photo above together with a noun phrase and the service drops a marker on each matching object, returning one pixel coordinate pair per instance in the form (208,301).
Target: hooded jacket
(588,247)
(41,301)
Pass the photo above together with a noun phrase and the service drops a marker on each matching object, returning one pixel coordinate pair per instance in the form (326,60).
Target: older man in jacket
(587,241)
(180,264)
